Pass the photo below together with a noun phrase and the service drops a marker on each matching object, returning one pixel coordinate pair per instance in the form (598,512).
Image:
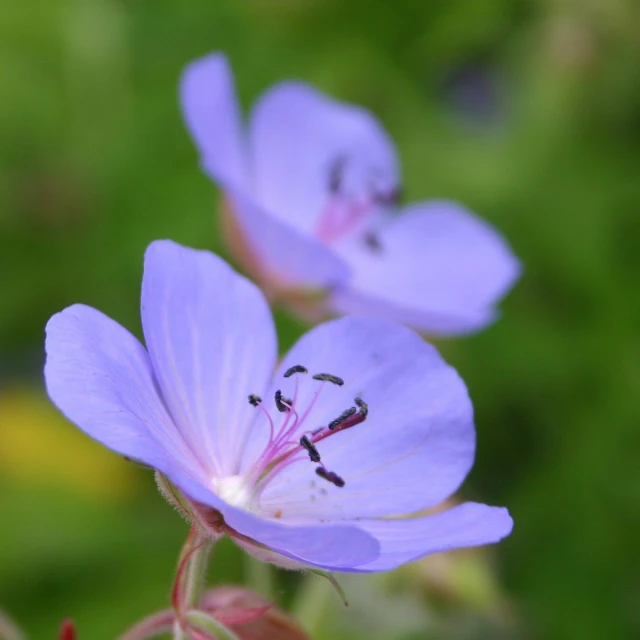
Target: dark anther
(345,415)
(336,174)
(389,198)
(332,477)
(314,456)
(395,195)
(283,404)
(327,377)
(363,407)
(298,368)
(372,241)
(254,400)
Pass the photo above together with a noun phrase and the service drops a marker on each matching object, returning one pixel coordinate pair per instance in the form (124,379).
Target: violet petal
(439,268)
(467,525)
(211,341)
(100,378)
(415,446)
(297,134)
(291,258)
(212,115)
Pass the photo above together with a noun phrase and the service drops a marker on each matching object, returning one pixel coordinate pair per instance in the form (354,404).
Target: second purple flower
(312,188)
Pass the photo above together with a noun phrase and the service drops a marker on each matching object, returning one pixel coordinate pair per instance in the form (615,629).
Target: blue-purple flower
(312,189)
(311,461)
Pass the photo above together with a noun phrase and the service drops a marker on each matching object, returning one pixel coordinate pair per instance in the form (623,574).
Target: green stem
(190,581)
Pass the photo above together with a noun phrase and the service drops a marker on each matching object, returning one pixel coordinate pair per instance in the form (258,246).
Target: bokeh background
(528,111)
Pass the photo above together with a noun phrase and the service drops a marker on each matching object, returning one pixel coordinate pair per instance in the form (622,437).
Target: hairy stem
(190,579)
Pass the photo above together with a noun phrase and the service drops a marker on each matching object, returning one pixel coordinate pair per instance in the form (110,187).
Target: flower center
(291,443)
(347,212)
(236,490)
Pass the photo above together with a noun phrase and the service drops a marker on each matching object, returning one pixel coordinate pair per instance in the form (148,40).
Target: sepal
(199,621)
(251,616)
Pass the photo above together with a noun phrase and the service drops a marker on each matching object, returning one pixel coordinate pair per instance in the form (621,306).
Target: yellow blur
(39,446)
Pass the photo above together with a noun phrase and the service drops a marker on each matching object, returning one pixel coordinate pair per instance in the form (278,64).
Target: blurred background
(528,111)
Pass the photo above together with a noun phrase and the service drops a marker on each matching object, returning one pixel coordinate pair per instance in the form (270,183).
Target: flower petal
(439,268)
(212,115)
(468,525)
(212,342)
(290,258)
(334,547)
(296,136)
(413,450)
(100,377)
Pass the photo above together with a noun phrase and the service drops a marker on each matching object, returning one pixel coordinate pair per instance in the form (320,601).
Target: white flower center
(236,491)
(288,444)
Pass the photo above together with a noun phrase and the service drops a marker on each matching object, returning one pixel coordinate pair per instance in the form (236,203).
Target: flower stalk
(190,579)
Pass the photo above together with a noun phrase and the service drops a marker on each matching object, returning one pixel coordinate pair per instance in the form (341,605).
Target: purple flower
(362,419)
(312,187)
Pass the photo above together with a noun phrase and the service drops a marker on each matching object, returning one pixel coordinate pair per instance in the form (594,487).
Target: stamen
(391,197)
(347,420)
(362,406)
(286,430)
(292,443)
(330,476)
(336,174)
(314,456)
(254,400)
(327,377)
(372,241)
(345,415)
(298,368)
(283,404)
(312,404)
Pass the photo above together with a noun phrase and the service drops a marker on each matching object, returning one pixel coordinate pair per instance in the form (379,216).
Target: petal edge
(470,524)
